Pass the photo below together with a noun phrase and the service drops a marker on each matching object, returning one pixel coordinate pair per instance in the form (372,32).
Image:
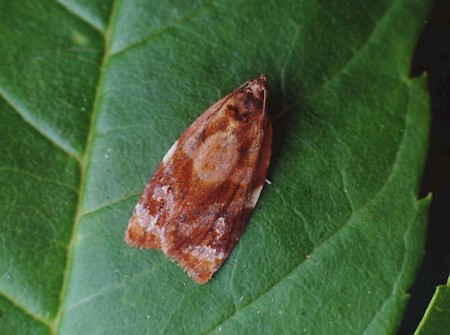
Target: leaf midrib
(84,165)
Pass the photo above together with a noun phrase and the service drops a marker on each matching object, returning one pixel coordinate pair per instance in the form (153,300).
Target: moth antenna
(264,101)
(264,120)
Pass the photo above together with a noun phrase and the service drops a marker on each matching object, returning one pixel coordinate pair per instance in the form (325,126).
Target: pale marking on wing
(207,253)
(144,219)
(219,227)
(168,156)
(255,196)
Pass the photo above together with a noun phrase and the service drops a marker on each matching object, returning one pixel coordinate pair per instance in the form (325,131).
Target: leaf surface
(437,316)
(93,93)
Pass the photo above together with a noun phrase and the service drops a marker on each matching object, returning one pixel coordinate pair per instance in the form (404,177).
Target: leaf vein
(343,68)
(402,268)
(25,173)
(358,51)
(43,129)
(163,29)
(25,310)
(110,204)
(327,240)
(110,288)
(79,15)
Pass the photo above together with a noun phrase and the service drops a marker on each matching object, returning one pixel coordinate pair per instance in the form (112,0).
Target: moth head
(257,87)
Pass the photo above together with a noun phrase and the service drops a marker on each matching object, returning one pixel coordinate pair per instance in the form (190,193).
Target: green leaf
(437,316)
(93,93)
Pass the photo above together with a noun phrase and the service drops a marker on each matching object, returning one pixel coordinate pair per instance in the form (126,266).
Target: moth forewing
(200,198)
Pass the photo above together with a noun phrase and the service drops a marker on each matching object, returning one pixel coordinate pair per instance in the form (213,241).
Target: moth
(198,202)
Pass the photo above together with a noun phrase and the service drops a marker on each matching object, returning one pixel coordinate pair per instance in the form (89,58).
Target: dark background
(433,57)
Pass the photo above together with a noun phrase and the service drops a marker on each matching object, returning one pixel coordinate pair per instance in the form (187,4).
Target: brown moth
(201,196)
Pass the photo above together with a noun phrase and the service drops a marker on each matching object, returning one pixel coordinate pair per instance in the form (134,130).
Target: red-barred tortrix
(201,196)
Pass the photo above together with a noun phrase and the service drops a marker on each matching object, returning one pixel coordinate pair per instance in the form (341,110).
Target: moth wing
(201,245)
(200,198)
(151,211)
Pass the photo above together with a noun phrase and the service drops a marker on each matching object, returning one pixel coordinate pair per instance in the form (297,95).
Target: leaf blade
(342,121)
